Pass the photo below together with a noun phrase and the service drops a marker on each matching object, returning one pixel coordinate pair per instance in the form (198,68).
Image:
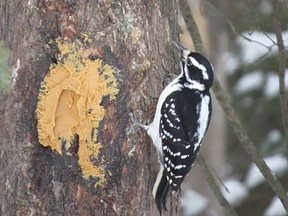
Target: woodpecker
(181,120)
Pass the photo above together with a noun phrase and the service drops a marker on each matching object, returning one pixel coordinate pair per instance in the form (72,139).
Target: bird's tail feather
(160,190)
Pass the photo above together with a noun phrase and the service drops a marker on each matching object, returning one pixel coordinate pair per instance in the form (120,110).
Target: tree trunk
(133,39)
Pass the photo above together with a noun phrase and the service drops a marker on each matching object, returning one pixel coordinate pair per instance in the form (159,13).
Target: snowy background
(251,71)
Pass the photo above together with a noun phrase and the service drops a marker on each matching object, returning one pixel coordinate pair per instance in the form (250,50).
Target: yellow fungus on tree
(69,103)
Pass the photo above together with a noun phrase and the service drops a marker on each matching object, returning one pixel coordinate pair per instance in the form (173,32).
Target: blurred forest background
(240,40)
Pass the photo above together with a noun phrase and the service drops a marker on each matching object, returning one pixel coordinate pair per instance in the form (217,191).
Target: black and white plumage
(181,120)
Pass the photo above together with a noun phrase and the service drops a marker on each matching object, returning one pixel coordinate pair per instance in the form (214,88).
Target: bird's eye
(188,62)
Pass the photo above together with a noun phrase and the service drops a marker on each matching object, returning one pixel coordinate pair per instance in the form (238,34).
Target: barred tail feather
(160,190)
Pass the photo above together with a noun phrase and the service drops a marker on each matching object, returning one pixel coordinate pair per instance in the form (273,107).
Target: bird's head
(195,66)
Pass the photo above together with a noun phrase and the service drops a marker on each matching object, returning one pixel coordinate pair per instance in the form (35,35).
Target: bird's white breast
(153,130)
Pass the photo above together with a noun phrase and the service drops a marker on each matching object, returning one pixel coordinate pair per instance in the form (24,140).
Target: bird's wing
(180,135)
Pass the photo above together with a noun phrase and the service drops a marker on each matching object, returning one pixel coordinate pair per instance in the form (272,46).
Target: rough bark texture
(135,37)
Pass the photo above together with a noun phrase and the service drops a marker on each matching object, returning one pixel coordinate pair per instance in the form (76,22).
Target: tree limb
(229,210)
(233,119)
(281,69)
(197,40)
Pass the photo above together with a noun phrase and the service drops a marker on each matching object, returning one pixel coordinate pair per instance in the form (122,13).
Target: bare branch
(191,25)
(274,42)
(281,69)
(229,210)
(232,27)
(197,40)
(233,119)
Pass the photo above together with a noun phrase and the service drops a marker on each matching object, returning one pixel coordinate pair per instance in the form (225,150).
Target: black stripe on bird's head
(195,67)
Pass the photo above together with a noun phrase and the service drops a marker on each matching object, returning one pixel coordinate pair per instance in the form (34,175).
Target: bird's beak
(181,49)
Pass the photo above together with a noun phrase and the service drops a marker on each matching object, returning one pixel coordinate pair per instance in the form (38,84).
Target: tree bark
(132,36)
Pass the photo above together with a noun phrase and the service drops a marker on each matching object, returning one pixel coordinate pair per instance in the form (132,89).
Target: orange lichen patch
(69,104)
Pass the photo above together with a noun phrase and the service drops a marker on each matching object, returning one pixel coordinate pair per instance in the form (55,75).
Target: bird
(181,120)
